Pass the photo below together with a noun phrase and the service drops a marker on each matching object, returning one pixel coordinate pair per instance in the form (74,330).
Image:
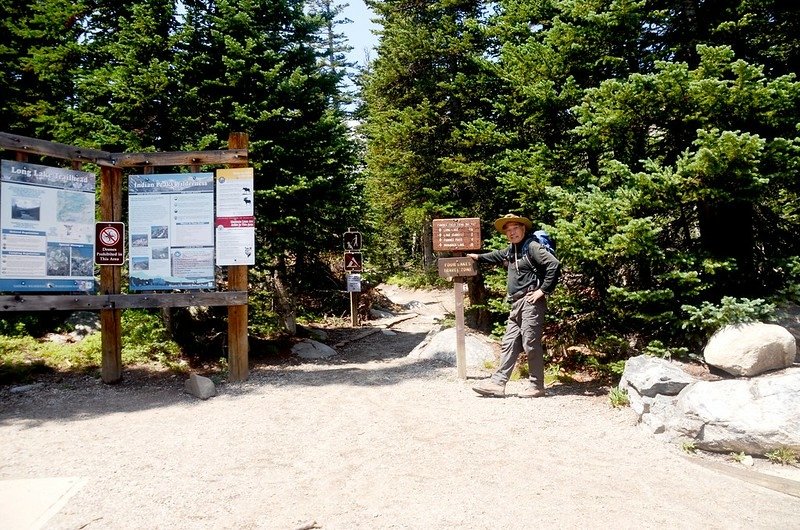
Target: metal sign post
(457,235)
(353,262)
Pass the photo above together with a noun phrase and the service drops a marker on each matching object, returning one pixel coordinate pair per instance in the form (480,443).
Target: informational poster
(46,228)
(235,221)
(353,283)
(171,231)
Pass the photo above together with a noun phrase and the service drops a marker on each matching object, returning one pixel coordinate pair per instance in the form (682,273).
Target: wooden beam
(91,302)
(238,369)
(234,157)
(33,146)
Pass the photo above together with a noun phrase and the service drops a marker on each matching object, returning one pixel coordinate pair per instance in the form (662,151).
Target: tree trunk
(479,318)
(428,258)
(726,232)
(284,298)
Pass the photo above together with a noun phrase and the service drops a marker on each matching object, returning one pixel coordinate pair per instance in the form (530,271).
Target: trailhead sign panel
(46,228)
(235,222)
(171,231)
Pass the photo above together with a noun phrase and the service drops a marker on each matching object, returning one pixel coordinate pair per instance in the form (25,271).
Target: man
(532,275)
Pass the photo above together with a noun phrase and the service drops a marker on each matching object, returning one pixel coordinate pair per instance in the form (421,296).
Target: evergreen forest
(657,141)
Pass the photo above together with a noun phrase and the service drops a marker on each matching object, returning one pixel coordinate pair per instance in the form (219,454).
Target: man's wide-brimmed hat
(501,223)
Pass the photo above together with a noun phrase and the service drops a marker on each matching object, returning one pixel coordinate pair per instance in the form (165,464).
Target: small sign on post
(353,261)
(457,267)
(353,283)
(109,243)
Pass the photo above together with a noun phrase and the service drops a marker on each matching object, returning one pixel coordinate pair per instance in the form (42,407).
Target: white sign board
(353,283)
(235,222)
(171,231)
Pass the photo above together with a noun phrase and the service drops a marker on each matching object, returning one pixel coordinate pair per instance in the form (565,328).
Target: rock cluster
(754,408)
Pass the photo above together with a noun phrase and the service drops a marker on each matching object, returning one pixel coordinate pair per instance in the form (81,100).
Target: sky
(358,32)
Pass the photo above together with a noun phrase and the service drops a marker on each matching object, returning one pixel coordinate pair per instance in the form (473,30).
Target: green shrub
(657,348)
(703,321)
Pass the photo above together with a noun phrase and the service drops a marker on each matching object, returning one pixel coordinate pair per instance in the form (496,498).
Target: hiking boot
(490,388)
(531,392)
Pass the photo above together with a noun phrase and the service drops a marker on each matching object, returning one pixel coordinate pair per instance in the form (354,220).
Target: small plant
(738,457)
(221,376)
(783,456)
(657,349)
(689,447)
(619,397)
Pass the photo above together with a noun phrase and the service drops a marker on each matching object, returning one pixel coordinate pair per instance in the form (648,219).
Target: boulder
(441,345)
(201,387)
(751,349)
(651,376)
(754,416)
(311,349)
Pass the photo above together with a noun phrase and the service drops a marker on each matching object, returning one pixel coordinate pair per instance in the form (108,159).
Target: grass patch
(618,397)
(144,339)
(783,456)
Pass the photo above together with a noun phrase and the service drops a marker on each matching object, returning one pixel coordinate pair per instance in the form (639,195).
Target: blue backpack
(543,238)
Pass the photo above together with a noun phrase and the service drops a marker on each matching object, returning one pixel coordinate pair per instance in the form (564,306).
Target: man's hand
(533,296)
(474,257)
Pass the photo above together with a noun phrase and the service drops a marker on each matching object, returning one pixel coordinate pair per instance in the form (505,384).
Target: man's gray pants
(523,333)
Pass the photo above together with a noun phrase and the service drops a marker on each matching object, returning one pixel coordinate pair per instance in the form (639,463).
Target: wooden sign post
(456,236)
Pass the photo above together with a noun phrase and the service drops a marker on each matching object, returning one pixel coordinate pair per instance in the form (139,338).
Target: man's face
(514,232)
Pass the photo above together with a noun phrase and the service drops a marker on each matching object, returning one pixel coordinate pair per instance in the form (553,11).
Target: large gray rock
(201,387)
(750,415)
(649,380)
(651,376)
(751,349)
(311,349)
(441,345)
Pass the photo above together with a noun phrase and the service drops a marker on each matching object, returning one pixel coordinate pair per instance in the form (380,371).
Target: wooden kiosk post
(111,280)
(238,344)
(457,235)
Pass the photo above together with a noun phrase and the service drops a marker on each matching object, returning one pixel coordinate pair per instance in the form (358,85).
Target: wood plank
(90,302)
(33,146)
(181,158)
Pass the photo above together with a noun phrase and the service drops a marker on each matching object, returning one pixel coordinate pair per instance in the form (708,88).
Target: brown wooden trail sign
(457,267)
(458,235)
(454,235)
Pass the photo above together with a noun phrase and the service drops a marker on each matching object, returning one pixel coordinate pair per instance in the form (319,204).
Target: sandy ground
(367,439)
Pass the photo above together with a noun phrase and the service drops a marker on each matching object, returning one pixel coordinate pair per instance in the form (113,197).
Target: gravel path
(368,439)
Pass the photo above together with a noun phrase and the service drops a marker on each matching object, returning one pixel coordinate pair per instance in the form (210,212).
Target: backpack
(543,238)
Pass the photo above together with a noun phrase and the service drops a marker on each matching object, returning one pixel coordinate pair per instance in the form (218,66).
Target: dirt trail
(367,439)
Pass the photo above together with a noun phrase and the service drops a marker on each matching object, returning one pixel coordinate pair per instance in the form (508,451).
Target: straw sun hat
(501,223)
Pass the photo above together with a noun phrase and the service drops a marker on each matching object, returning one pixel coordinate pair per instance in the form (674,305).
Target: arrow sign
(353,261)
